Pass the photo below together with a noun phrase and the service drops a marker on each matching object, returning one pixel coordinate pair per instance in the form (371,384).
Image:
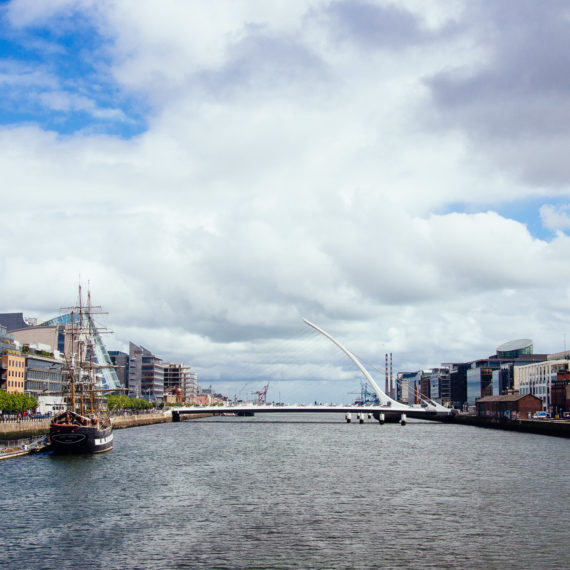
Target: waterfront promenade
(29,427)
(557,428)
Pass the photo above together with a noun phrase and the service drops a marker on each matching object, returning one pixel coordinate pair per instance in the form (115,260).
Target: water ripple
(229,493)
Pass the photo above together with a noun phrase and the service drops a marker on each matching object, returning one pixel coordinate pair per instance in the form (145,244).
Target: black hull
(74,439)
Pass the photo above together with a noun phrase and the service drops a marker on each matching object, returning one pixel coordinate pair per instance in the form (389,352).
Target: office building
(146,374)
(537,379)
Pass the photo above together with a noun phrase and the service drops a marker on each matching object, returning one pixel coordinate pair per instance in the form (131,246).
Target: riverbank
(557,428)
(24,449)
(30,428)
(24,428)
(134,420)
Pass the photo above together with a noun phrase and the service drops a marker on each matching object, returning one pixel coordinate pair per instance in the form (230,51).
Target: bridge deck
(388,411)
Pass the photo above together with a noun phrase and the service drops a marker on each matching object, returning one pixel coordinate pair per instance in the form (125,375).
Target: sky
(397,172)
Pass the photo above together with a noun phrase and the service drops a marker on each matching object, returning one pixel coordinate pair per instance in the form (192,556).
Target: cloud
(67,102)
(24,76)
(289,167)
(511,101)
(373,26)
(24,13)
(556,218)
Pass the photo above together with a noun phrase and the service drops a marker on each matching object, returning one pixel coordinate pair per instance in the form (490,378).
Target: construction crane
(262,395)
(238,395)
(366,396)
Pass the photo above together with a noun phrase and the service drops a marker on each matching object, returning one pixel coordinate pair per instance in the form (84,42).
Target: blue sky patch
(525,211)
(58,77)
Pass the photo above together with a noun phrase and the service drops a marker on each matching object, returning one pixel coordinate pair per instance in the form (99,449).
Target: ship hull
(74,439)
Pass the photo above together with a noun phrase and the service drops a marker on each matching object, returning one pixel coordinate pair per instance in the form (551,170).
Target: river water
(284,491)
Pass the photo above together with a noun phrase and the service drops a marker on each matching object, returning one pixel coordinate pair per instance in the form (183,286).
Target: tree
(16,402)
(122,402)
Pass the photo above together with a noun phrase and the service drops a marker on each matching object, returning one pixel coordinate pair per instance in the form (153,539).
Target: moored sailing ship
(85,426)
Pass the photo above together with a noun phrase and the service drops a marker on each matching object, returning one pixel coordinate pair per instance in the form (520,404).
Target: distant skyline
(396,172)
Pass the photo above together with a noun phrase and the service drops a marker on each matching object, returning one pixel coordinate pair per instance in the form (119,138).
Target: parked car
(540,416)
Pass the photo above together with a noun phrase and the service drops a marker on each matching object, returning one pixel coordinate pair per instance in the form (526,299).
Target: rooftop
(504,398)
(519,344)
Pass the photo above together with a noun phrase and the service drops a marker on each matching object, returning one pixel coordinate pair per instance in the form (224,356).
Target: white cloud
(64,101)
(555,218)
(24,76)
(23,13)
(282,175)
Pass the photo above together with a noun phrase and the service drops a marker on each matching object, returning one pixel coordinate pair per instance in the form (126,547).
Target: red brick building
(509,406)
(560,392)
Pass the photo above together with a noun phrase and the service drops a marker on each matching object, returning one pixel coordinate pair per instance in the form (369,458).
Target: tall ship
(85,425)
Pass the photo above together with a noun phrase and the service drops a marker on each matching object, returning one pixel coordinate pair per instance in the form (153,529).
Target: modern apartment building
(146,374)
(13,369)
(537,379)
(12,363)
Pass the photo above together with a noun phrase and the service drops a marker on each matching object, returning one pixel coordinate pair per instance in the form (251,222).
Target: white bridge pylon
(383,398)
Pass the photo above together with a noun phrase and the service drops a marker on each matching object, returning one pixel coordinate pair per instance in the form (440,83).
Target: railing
(120,413)
(18,418)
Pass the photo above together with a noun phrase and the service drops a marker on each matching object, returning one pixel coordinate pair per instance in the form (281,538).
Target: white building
(536,379)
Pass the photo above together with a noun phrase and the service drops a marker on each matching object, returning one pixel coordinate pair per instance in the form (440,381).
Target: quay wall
(23,428)
(133,420)
(30,428)
(558,428)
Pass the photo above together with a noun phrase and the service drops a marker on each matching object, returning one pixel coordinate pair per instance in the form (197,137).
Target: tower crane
(238,395)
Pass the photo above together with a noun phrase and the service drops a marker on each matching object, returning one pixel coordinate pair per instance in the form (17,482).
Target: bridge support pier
(348,418)
(381,418)
(403,419)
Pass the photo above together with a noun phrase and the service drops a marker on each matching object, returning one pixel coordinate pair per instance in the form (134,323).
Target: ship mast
(91,355)
(81,353)
(81,362)
(71,364)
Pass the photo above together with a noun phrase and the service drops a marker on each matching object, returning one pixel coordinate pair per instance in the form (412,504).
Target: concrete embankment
(23,428)
(558,428)
(133,420)
(29,428)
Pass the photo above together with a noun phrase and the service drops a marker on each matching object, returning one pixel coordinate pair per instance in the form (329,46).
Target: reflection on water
(292,492)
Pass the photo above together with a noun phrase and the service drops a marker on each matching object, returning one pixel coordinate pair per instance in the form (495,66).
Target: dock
(551,427)
(27,449)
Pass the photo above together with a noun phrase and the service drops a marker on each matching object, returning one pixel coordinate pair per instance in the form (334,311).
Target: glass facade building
(146,374)
(109,379)
(43,376)
(515,348)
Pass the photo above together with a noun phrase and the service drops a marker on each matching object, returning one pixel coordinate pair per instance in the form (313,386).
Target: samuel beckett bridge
(388,410)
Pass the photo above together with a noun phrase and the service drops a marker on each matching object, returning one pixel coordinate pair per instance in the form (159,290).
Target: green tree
(16,402)
(122,402)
